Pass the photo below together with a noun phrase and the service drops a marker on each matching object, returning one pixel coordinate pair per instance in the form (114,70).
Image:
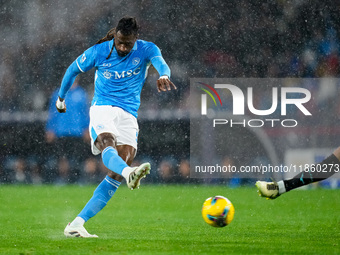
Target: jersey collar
(135,46)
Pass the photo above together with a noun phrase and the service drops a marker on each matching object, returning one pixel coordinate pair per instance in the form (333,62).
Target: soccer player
(121,62)
(329,166)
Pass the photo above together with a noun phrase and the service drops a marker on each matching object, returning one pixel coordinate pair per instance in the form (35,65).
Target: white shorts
(109,119)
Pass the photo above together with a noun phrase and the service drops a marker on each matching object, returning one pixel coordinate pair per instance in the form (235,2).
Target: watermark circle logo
(135,61)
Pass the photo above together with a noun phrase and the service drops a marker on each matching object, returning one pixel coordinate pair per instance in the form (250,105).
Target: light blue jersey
(118,80)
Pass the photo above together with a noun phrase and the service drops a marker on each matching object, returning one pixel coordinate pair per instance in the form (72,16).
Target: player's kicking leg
(118,161)
(137,173)
(272,190)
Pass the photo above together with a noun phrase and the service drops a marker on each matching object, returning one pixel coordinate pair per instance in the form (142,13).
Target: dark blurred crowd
(204,38)
(66,170)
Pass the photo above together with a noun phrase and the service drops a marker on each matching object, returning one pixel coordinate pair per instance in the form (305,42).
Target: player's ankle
(282,188)
(126,172)
(78,221)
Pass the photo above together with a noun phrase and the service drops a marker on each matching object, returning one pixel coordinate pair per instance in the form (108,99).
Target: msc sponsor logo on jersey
(128,73)
(119,75)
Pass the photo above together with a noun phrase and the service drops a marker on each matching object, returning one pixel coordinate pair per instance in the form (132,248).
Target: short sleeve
(86,61)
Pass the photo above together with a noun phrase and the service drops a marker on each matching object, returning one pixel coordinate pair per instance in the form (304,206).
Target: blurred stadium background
(214,38)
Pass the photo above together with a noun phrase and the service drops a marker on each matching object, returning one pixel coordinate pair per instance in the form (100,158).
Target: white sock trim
(115,184)
(282,188)
(106,149)
(126,172)
(78,221)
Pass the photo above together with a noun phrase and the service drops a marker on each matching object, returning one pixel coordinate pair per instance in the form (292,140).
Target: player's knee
(127,153)
(106,139)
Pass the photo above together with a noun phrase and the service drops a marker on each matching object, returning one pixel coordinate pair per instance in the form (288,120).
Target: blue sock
(112,160)
(101,196)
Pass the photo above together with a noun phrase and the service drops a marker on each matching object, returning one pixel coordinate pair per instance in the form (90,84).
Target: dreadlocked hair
(108,37)
(127,26)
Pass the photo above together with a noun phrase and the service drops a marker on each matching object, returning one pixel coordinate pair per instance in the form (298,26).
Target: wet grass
(167,220)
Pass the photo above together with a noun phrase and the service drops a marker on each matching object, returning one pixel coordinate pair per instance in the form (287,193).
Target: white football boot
(77,231)
(137,174)
(270,190)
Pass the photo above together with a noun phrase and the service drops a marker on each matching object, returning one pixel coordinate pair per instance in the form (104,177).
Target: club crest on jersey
(135,61)
(107,74)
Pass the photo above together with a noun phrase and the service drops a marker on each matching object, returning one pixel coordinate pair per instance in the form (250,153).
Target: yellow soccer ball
(218,211)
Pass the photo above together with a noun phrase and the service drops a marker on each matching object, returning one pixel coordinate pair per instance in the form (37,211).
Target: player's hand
(164,84)
(60,104)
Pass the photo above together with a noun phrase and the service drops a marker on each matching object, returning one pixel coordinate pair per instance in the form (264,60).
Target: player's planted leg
(98,201)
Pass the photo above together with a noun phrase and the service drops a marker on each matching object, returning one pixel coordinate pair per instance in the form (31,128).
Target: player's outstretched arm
(69,77)
(163,83)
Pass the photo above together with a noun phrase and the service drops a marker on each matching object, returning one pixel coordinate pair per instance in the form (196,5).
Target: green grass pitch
(161,219)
